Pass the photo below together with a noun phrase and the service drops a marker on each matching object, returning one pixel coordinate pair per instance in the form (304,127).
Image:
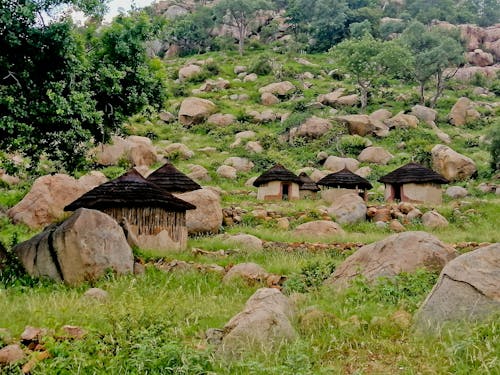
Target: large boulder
(463,112)
(433,220)
(189,71)
(348,209)
(269,99)
(467,289)
(403,252)
(226,171)
(467,73)
(195,110)
(11,354)
(279,88)
(245,241)
(456,192)
(220,119)
(357,124)
(402,121)
(264,323)
(480,58)
(377,155)
(425,114)
(207,217)
(332,97)
(139,151)
(250,272)
(335,164)
(314,127)
(49,195)
(83,248)
(241,164)
(451,164)
(319,228)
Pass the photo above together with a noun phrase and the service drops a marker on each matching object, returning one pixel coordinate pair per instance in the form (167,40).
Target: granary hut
(172,180)
(152,218)
(413,183)
(308,188)
(345,182)
(278,183)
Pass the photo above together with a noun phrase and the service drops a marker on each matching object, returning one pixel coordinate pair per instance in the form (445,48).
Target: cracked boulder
(404,252)
(82,248)
(467,289)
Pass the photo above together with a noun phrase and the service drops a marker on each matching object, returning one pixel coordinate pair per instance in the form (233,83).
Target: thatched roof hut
(308,188)
(414,183)
(155,218)
(172,180)
(345,179)
(278,183)
(413,173)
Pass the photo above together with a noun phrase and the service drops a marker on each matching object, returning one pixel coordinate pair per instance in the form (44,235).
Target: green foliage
(495,148)
(261,66)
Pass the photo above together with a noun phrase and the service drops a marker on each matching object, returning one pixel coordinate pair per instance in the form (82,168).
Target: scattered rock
(166,117)
(239,69)
(11,354)
(380,115)
(82,248)
(403,252)
(396,226)
(452,165)
(348,209)
(433,220)
(335,164)
(195,110)
(220,119)
(225,171)
(320,228)
(179,149)
(250,272)
(357,124)
(198,173)
(463,112)
(363,172)
(414,214)
(402,121)
(252,77)
(207,217)
(377,155)
(480,58)
(314,127)
(247,134)
(254,147)
(74,332)
(246,242)
(32,334)
(137,150)
(425,114)
(283,223)
(456,192)
(268,99)
(97,294)
(279,88)
(189,71)
(240,164)
(467,289)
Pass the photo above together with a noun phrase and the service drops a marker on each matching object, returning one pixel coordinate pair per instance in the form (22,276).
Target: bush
(262,66)
(495,149)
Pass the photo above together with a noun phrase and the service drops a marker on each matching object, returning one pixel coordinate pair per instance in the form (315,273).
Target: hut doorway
(285,189)
(396,192)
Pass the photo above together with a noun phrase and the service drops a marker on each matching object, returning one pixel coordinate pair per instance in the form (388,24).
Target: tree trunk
(242,31)
(439,89)
(422,92)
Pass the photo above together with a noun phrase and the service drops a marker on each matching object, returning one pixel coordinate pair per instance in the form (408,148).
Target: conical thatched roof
(345,179)
(413,172)
(129,190)
(171,179)
(307,183)
(276,173)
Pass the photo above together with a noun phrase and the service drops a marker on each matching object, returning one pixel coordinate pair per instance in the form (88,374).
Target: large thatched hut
(308,188)
(344,182)
(172,180)
(278,183)
(413,183)
(153,218)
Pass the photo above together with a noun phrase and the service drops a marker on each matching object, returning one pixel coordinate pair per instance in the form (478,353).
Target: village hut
(278,183)
(344,182)
(172,180)
(308,188)
(413,183)
(152,218)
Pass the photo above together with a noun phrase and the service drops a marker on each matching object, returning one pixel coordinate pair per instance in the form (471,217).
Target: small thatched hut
(153,218)
(413,183)
(278,183)
(308,189)
(172,180)
(344,182)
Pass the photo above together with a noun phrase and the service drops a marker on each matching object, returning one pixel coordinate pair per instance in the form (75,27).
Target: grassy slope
(152,324)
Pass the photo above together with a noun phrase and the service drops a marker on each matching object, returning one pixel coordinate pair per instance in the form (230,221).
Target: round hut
(413,183)
(308,189)
(172,180)
(152,218)
(344,182)
(278,183)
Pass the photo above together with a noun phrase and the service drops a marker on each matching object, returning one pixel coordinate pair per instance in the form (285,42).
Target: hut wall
(422,193)
(273,191)
(154,228)
(330,195)
(389,192)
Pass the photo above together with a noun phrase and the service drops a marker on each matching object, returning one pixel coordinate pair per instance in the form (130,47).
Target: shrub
(262,66)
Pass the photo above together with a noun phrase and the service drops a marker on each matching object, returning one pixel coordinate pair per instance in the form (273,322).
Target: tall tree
(434,51)
(240,14)
(368,59)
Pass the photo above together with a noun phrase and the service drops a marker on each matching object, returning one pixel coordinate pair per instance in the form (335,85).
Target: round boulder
(319,228)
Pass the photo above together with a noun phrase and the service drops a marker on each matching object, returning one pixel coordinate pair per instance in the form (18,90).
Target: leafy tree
(240,14)
(368,59)
(434,51)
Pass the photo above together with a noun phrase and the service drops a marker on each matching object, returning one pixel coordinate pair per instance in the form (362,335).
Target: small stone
(139,268)
(74,332)
(433,219)
(396,226)
(97,294)
(31,334)
(11,354)
(283,223)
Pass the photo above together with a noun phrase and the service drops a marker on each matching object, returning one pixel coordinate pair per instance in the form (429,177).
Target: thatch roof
(129,190)
(277,173)
(413,173)
(345,179)
(171,179)
(307,183)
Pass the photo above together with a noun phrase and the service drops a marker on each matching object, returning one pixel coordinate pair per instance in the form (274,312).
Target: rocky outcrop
(195,110)
(49,195)
(404,252)
(480,58)
(264,323)
(207,217)
(83,248)
(452,165)
(467,289)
